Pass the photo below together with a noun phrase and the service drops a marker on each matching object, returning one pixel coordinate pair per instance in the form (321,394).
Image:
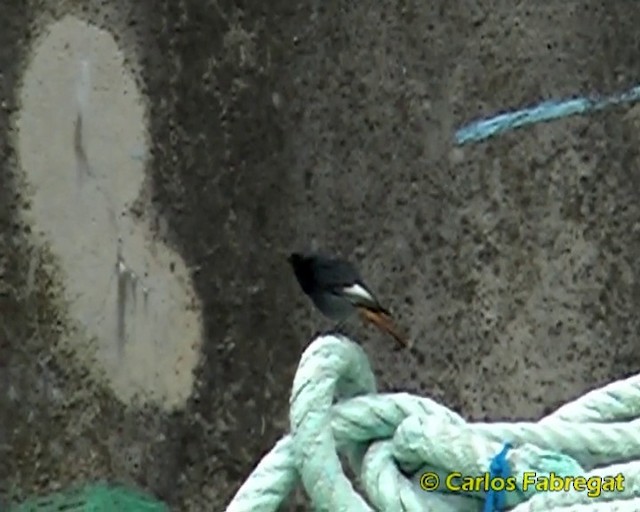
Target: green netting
(93,498)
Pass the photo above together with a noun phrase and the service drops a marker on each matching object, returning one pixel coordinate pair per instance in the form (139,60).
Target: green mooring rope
(97,497)
(390,440)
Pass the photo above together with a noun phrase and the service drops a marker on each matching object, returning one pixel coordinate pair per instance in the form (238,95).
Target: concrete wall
(160,159)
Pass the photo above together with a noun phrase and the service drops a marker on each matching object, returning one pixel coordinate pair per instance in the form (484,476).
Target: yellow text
(593,485)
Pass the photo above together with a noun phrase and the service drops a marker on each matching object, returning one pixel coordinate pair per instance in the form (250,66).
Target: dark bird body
(338,291)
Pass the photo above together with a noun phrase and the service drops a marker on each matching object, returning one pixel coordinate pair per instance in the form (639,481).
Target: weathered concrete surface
(282,125)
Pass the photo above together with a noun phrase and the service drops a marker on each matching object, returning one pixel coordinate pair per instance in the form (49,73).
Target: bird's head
(303,269)
(295,259)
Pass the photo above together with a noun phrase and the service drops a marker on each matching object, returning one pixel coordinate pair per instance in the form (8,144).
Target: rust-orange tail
(385,323)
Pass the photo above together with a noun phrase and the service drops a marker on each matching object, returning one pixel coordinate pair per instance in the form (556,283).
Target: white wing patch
(358,292)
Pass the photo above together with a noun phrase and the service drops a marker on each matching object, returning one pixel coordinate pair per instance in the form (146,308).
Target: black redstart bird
(337,290)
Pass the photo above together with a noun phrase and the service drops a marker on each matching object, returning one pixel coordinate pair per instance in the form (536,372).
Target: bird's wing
(342,278)
(360,295)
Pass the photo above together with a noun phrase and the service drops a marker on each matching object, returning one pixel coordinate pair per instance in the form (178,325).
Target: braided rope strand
(392,439)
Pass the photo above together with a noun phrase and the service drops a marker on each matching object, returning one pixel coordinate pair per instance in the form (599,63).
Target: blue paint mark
(546,111)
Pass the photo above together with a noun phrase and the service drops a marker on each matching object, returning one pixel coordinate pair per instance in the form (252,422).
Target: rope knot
(413,454)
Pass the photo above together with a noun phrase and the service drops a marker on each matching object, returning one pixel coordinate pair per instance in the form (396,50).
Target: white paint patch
(81,125)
